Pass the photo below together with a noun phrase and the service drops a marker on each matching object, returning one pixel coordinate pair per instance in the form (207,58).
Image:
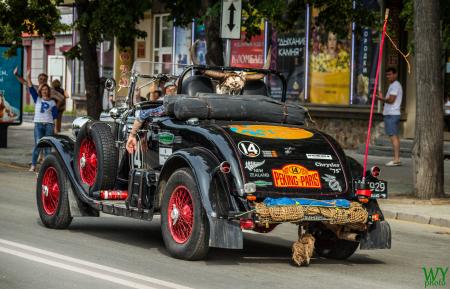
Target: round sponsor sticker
(249,149)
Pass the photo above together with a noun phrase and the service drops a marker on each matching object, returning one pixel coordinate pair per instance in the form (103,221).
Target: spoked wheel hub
(87,161)
(181,214)
(50,191)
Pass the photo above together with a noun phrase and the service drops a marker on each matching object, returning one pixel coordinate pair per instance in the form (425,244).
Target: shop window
(288,57)
(200,48)
(78,76)
(183,42)
(162,43)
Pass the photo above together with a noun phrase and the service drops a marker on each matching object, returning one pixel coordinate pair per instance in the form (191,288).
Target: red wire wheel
(180,214)
(50,191)
(87,161)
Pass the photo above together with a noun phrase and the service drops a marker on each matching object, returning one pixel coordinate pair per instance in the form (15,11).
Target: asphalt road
(112,252)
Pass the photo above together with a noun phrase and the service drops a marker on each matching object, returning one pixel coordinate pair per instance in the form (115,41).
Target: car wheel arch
(223,233)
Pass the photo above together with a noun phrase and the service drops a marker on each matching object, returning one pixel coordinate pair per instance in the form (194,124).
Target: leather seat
(255,87)
(197,84)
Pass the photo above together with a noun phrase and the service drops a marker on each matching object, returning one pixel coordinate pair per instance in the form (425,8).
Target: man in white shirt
(391,113)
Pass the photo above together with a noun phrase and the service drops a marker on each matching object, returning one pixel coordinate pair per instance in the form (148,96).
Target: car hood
(287,160)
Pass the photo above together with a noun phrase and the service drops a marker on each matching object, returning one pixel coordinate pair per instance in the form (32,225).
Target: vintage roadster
(219,157)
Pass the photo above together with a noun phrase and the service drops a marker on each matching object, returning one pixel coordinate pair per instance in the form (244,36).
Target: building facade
(333,77)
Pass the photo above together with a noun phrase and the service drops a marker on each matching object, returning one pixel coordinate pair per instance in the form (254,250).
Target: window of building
(183,42)
(162,43)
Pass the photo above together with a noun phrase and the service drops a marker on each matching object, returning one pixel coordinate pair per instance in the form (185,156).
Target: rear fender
(223,233)
(378,234)
(80,204)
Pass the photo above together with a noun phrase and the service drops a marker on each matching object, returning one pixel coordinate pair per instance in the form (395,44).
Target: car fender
(378,234)
(224,233)
(80,204)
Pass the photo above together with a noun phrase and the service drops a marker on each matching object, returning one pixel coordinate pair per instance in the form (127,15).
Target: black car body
(222,162)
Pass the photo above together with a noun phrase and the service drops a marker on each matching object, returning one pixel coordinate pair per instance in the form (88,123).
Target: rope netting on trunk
(355,214)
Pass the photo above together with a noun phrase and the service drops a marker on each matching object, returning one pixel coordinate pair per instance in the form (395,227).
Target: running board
(118,208)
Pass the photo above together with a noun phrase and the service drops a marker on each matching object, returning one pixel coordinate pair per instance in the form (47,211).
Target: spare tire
(95,158)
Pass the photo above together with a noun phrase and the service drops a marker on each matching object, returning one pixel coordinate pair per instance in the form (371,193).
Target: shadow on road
(258,248)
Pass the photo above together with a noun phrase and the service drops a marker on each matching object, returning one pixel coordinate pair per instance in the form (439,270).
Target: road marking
(85,263)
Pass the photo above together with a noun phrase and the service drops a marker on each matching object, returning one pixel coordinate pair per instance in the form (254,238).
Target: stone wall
(350,133)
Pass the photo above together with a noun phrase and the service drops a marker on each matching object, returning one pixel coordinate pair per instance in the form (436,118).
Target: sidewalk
(401,205)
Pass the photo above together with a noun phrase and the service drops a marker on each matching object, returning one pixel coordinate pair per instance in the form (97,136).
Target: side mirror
(110,84)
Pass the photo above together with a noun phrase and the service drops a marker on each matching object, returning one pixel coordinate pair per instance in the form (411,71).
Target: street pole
(228,52)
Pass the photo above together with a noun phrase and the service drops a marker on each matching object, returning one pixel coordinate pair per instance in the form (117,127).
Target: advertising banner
(124,60)
(329,66)
(248,54)
(10,88)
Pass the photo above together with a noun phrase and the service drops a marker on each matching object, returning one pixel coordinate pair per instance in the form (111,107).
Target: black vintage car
(205,159)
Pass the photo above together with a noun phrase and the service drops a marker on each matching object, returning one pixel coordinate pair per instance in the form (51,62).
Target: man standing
(391,113)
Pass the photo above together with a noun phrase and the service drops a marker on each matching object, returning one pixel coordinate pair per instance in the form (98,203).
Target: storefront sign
(124,60)
(248,54)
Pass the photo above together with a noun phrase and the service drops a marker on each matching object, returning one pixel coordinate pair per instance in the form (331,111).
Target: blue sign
(10,88)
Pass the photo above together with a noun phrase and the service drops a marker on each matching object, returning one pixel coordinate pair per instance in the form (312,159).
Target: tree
(428,159)
(32,17)
(97,20)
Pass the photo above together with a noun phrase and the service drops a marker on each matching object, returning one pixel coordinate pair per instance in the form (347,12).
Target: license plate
(378,187)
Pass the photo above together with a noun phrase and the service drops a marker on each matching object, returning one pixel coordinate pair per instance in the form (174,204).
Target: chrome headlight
(78,123)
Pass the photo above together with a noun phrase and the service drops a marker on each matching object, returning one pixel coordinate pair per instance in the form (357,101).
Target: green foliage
(336,15)
(28,108)
(107,18)
(407,15)
(32,16)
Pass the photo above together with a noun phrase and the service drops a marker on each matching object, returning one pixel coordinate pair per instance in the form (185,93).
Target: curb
(414,218)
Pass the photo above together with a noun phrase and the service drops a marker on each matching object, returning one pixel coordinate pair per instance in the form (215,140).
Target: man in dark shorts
(391,113)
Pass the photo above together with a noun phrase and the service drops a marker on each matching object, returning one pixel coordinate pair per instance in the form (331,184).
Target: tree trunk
(90,66)
(428,159)
(214,44)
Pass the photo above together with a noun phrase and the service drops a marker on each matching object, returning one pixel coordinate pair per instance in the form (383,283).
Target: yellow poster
(122,70)
(329,66)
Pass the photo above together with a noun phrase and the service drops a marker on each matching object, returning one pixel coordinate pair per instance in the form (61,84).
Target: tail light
(225,167)
(375,171)
(247,224)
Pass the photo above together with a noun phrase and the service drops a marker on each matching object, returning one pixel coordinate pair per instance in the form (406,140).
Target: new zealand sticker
(249,149)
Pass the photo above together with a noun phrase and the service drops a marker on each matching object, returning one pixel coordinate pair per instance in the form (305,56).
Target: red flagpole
(375,85)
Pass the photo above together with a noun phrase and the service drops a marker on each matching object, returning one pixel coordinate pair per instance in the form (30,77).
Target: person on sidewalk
(391,113)
(56,85)
(45,112)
